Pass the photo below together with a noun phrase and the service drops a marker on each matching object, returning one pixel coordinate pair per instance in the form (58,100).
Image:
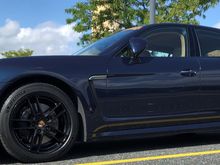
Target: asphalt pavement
(174,150)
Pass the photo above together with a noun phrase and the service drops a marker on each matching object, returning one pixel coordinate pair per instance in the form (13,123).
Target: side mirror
(137,46)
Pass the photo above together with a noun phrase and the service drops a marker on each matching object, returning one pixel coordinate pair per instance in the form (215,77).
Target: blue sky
(212,17)
(23,19)
(33,12)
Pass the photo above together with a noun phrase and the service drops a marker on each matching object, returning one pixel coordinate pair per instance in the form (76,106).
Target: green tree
(18,53)
(129,13)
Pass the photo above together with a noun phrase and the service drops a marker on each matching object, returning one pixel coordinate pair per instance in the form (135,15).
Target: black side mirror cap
(137,46)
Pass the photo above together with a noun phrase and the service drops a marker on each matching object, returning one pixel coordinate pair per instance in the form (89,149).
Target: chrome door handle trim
(98,77)
(188,73)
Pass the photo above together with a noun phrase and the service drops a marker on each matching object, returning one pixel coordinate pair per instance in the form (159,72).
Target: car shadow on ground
(126,146)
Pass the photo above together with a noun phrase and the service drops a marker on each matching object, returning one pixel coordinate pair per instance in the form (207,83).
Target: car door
(162,83)
(209,43)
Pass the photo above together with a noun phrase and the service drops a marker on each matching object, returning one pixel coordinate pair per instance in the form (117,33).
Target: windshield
(99,46)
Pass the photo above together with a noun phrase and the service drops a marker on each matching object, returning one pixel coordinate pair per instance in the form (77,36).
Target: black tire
(38,122)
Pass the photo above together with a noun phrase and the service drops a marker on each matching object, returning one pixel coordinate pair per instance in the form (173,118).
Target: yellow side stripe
(156,122)
(172,156)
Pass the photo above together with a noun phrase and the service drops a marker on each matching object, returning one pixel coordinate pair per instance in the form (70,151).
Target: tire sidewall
(12,146)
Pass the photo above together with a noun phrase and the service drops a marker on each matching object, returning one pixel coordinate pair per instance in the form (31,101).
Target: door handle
(188,73)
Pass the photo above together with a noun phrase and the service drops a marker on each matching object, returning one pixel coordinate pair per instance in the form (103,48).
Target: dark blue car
(146,81)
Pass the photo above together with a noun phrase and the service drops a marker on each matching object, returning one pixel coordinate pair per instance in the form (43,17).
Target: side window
(166,44)
(209,43)
(163,42)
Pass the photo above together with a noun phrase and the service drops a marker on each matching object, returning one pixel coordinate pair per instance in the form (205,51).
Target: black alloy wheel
(38,122)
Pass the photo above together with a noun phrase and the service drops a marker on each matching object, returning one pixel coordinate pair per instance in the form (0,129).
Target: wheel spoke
(24,128)
(22,120)
(40,140)
(33,140)
(46,111)
(51,136)
(60,113)
(54,109)
(39,110)
(58,131)
(32,107)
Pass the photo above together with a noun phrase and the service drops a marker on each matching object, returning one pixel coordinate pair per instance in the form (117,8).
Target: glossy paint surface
(120,99)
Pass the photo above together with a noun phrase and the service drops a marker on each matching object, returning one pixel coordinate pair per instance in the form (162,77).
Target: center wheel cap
(41,124)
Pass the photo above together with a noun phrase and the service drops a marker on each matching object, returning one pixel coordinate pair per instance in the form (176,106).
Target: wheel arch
(54,79)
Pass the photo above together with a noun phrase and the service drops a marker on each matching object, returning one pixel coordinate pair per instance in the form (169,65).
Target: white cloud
(217,25)
(45,39)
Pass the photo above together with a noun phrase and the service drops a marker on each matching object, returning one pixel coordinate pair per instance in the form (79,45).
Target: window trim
(176,29)
(198,41)
(180,36)
(170,29)
(194,50)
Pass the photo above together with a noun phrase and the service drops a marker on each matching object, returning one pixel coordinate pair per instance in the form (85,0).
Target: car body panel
(121,99)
